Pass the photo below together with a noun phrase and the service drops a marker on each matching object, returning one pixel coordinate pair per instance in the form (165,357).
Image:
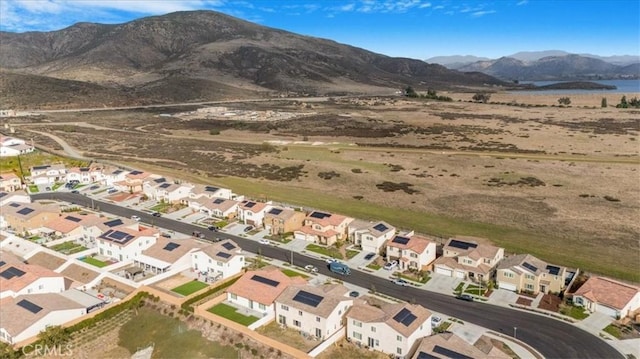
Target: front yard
(293,273)
(189,287)
(573,311)
(332,252)
(229,312)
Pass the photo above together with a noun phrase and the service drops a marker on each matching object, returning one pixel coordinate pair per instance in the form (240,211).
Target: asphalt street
(552,338)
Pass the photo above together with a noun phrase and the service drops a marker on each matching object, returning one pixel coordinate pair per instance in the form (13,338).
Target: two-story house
(258,289)
(526,273)
(412,252)
(323,228)
(19,196)
(160,189)
(92,229)
(10,182)
(11,146)
(84,175)
(252,212)
(316,310)
(370,236)
(168,255)
(27,217)
(132,182)
(608,296)
(112,177)
(220,260)
(123,243)
(199,191)
(393,328)
(215,207)
(70,225)
(48,174)
(467,259)
(279,220)
(448,345)
(18,278)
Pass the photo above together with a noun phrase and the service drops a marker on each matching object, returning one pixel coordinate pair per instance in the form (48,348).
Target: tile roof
(8,176)
(160,249)
(223,205)
(475,252)
(15,319)
(284,214)
(141,231)
(517,263)
(370,314)
(416,244)
(66,223)
(607,291)
(263,293)
(214,249)
(28,210)
(18,282)
(453,263)
(331,220)
(255,208)
(456,344)
(332,295)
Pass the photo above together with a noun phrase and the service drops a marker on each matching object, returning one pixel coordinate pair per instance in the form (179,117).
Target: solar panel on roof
(423,355)
(319,215)
(308,298)
(40,167)
(113,223)
(165,185)
(14,205)
(275,211)
(73,219)
(211,189)
(223,255)
(135,173)
(553,270)
(11,272)
(171,246)
(449,353)
(25,211)
(2,263)
(263,280)
(405,317)
(160,180)
(249,204)
(2,194)
(530,267)
(380,227)
(29,306)
(228,246)
(400,240)
(218,200)
(117,172)
(461,244)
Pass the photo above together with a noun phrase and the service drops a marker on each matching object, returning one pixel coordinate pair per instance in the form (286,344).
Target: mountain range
(198,56)
(547,65)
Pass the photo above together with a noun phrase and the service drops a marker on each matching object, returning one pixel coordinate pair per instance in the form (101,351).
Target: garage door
(460,274)
(443,271)
(607,311)
(507,286)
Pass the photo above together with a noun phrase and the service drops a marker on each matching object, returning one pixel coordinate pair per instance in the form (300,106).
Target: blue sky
(408,28)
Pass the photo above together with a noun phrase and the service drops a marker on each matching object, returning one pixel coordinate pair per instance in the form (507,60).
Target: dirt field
(559,183)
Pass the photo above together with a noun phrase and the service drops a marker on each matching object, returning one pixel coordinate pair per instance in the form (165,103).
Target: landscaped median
(231,313)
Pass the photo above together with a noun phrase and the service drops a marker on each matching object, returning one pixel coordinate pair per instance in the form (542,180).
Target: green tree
(564,101)
(8,351)
(481,97)
(54,335)
(410,92)
(603,103)
(623,103)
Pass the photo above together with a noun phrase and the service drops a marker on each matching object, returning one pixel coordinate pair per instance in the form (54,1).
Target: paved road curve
(552,338)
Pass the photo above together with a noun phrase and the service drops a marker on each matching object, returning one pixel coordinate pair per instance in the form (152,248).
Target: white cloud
(522,2)
(482,13)
(348,7)
(438,7)
(424,5)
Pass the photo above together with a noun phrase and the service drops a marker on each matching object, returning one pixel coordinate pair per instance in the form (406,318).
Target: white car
(435,321)
(331,260)
(311,269)
(264,241)
(391,265)
(135,218)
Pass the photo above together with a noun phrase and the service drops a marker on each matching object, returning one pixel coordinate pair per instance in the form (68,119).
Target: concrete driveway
(442,284)
(503,297)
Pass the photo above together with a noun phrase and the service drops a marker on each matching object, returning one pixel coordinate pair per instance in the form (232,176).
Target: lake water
(622,86)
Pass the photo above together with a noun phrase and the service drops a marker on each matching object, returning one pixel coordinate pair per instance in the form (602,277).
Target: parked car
(48,189)
(166,235)
(354,294)
(435,321)
(311,269)
(75,191)
(213,228)
(369,256)
(248,229)
(135,218)
(467,297)
(156,214)
(112,191)
(331,260)
(401,282)
(391,265)
(94,187)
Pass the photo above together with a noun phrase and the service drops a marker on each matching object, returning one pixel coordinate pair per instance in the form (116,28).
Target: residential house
(411,252)
(70,225)
(370,236)
(11,146)
(279,220)
(27,217)
(323,228)
(48,174)
(449,345)
(10,182)
(393,328)
(316,310)
(19,196)
(258,289)
(91,230)
(526,273)
(123,243)
(467,259)
(252,213)
(607,296)
(132,181)
(26,316)
(18,278)
(84,175)
(216,207)
(220,260)
(199,191)
(110,178)
(160,189)
(168,255)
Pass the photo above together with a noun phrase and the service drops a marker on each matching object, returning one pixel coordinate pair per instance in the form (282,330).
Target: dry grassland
(560,183)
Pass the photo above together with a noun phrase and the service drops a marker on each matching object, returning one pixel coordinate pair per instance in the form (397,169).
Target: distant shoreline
(573,85)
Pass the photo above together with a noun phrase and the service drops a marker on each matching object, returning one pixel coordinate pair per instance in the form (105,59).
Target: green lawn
(574,312)
(293,273)
(332,252)
(95,262)
(229,312)
(171,338)
(613,330)
(69,247)
(33,188)
(373,266)
(161,207)
(352,253)
(459,288)
(57,185)
(190,287)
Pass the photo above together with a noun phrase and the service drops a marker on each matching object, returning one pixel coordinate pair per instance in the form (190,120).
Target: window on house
(284,307)
(262,306)
(233,296)
(318,319)
(357,324)
(399,338)
(299,312)
(529,286)
(377,343)
(357,335)
(373,329)
(297,323)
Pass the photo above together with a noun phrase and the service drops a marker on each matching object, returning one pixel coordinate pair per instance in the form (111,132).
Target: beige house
(26,217)
(133,181)
(412,252)
(323,228)
(280,220)
(9,182)
(607,296)
(467,259)
(526,273)
(449,345)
